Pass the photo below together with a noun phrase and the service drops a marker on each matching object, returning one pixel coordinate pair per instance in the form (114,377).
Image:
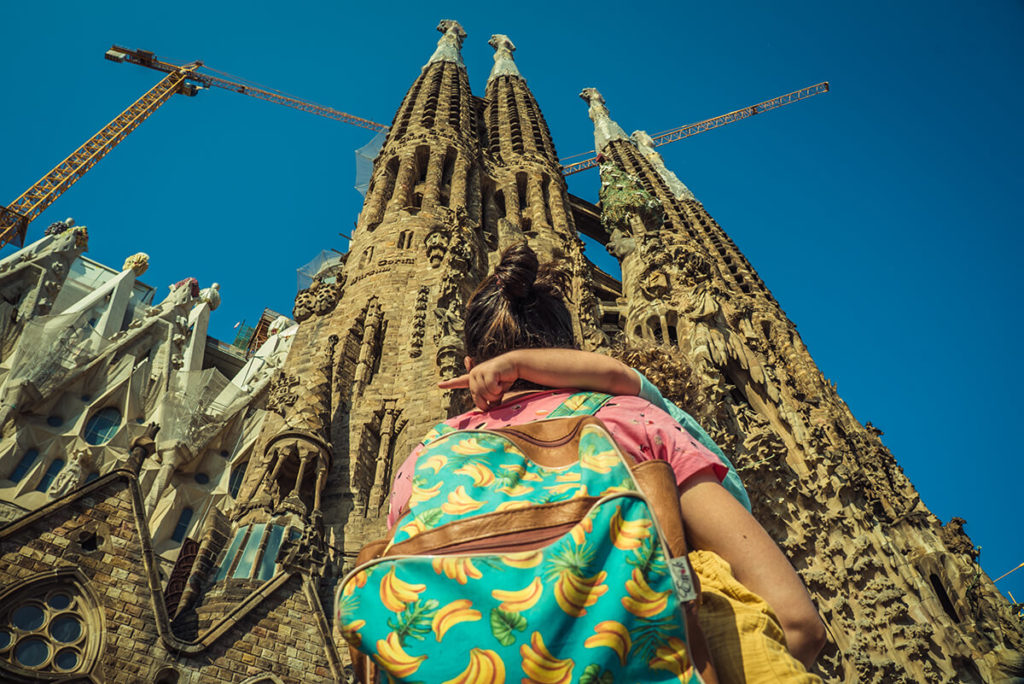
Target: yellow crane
(180,78)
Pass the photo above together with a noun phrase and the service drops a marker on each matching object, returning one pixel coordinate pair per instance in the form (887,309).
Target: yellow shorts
(744,635)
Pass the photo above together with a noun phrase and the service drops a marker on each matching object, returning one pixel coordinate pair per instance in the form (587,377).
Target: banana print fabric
(640,429)
(595,606)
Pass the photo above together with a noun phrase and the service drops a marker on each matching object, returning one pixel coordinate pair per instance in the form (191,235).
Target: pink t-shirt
(640,428)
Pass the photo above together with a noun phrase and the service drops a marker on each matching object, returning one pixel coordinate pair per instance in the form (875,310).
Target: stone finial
(211,295)
(605,130)
(137,262)
(504,64)
(645,144)
(450,44)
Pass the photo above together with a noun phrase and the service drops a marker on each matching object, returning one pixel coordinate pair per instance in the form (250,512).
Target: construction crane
(185,79)
(188,80)
(671,136)
(148,59)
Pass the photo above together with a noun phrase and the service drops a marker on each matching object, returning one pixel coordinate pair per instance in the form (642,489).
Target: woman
(519,308)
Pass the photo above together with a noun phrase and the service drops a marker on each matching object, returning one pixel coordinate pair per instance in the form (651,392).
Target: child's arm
(488,381)
(717,522)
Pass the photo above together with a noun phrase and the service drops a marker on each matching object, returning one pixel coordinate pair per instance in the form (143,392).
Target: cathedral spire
(646,146)
(449,46)
(504,64)
(605,130)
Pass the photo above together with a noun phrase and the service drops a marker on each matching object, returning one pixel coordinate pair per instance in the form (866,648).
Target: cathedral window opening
(167,675)
(940,591)
(44,631)
(673,337)
(55,420)
(88,540)
(545,188)
(91,476)
(181,527)
(102,426)
(405,239)
(417,200)
(422,159)
(235,481)
(229,557)
(499,200)
(56,465)
(524,200)
(86,398)
(269,559)
(447,173)
(654,327)
(247,559)
(201,478)
(28,460)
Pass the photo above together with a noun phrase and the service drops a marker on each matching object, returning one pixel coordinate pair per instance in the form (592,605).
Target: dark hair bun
(517,271)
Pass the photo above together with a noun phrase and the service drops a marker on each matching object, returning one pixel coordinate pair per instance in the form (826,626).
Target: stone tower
(902,595)
(210,552)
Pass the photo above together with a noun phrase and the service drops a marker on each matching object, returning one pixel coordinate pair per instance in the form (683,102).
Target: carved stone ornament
(138,263)
(419,322)
(326,297)
(282,393)
(656,284)
(305,301)
(436,243)
(191,283)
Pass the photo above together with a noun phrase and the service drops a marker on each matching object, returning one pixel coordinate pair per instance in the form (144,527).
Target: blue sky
(885,216)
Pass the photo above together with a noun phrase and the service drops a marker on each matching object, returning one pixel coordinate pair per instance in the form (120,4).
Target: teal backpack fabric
(573,585)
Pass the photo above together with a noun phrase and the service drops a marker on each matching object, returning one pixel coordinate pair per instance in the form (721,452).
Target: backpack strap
(580,404)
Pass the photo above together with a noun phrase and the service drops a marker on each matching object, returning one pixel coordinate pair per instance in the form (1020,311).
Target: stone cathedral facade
(117,419)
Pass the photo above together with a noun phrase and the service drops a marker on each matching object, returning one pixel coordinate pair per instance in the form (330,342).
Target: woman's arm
(488,381)
(717,522)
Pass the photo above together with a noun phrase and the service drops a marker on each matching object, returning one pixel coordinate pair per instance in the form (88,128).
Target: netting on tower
(364,161)
(307,272)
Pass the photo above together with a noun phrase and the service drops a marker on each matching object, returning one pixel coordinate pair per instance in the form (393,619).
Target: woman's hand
(487,381)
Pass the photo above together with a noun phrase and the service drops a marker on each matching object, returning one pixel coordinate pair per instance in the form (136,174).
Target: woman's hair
(519,306)
(668,372)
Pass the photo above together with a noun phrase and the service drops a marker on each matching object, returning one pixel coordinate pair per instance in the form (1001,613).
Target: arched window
(55,467)
(182,527)
(24,465)
(102,426)
(46,629)
(167,675)
(237,475)
(944,601)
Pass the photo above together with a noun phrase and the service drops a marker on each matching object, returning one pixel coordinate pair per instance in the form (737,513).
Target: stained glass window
(44,631)
(102,426)
(56,465)
(24,465)
(182,527)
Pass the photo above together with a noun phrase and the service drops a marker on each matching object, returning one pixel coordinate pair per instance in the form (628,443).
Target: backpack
(539,552)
